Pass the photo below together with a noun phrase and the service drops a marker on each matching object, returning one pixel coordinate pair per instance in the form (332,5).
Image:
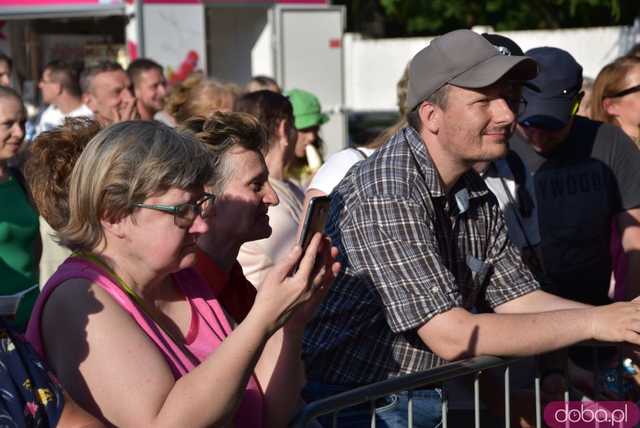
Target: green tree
(427,17)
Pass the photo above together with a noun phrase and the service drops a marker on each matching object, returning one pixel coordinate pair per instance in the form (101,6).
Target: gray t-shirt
(593,175)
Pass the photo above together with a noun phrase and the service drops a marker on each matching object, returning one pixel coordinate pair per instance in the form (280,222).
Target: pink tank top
(209,326)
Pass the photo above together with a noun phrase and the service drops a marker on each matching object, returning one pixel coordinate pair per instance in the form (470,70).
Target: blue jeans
(391,410)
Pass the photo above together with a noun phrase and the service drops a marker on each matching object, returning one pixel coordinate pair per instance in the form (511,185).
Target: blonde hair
(610,80)
(123,165)
(199,96)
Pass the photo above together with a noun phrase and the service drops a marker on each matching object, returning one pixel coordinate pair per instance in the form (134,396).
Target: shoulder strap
(363,154)
(525,202)
(140,305)
(517,168)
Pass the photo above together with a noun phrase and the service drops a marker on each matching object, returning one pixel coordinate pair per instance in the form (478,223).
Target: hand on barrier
(617,322)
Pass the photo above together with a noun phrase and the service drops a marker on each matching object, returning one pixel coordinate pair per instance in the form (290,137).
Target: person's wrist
(592,319)
(260,318)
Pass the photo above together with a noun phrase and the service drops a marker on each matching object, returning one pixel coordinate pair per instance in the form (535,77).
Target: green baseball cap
(306,109)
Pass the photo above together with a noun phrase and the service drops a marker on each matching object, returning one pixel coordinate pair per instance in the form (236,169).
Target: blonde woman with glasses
(133,332)
(616,96)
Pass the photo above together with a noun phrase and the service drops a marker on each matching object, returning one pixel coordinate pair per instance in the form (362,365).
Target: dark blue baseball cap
(558,83)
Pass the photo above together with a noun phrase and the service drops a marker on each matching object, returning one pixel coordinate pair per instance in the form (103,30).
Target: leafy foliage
(426,17)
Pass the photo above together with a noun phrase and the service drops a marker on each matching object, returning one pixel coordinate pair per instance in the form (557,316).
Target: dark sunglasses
(624,92)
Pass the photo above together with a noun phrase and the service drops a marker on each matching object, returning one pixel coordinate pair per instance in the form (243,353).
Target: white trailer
(299,43)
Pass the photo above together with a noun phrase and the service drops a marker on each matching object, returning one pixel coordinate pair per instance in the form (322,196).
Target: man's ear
(281,132)
(89,101)
(59,88)
(430,116)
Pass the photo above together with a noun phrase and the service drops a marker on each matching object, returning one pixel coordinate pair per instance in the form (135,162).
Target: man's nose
(504,115)
(270,196)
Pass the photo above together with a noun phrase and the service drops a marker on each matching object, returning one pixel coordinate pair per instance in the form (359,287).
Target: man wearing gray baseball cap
(429,274)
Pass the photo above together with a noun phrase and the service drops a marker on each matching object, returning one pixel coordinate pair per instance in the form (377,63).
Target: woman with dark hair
(275,113)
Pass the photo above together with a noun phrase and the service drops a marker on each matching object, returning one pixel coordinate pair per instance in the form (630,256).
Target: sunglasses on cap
(624,92)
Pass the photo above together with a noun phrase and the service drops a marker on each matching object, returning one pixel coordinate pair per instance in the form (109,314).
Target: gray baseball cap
(465,59)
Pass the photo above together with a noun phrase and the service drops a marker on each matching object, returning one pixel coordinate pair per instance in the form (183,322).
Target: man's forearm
(538,301)
(528,334)
(459,334)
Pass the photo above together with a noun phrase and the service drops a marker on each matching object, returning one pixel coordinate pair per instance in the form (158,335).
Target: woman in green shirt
(19,235)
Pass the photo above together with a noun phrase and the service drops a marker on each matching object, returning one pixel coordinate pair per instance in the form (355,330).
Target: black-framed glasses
(185,214)
(624,92)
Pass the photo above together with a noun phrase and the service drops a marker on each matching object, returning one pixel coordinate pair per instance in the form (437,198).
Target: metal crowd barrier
(436,377)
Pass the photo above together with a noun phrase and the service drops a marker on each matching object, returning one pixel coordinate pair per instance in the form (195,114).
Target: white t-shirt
(52,117)
(336,167)
(496,179)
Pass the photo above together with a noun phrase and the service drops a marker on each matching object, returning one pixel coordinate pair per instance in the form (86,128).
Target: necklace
(140,304)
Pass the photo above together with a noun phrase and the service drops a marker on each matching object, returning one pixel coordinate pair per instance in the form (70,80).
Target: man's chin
(498,151)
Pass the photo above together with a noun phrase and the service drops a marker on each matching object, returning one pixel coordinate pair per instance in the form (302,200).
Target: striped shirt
(410,251)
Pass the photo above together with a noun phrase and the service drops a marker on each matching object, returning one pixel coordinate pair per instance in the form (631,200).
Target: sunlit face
(109,95)
(241,208)
(151,89)
(306,136)
(155,241)
(12,120)
(626,109)
(5,74)
(476,124)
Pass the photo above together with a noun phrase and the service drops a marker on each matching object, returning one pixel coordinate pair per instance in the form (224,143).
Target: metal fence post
(476,399)
(445,408)
(507,398)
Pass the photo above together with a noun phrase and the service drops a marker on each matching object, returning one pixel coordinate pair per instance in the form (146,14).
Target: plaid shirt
(410,251)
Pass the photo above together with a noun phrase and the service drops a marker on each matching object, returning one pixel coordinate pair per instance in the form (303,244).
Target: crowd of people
(149,238)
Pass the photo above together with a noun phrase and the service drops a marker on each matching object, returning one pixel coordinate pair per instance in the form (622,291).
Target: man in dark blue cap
(587,176)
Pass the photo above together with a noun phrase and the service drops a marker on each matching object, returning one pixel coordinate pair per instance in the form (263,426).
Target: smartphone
(314,219)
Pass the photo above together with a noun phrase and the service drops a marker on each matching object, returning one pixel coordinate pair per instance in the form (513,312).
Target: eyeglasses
(184,214)
(624,92)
